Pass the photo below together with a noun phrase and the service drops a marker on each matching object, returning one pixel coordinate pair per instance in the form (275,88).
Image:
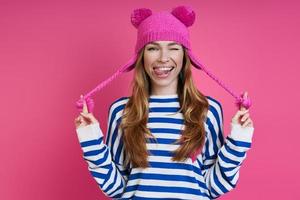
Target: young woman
(165,141)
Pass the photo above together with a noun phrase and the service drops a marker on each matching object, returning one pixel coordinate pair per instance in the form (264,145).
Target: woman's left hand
(242,116)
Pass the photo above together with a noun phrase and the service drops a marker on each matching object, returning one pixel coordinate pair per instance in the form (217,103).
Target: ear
(139,15)
(185,14)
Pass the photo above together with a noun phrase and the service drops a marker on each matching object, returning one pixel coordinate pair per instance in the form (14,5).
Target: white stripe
(169,195)
(236,177)
(163,171)
(231,156)
(97,156)
(164,147)
(167,135)
(237,148)
(164,104)
(232,172)
(175,115)
(92,148)
(165,125)
(166,159)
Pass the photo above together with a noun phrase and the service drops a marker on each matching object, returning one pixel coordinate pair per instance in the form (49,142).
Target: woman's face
(163,62)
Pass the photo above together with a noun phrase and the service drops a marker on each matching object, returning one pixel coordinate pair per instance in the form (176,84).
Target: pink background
(53,51)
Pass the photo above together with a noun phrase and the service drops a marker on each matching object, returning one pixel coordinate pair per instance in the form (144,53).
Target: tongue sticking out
(161,72)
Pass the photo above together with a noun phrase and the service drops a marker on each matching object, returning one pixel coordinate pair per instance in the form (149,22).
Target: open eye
(176,49)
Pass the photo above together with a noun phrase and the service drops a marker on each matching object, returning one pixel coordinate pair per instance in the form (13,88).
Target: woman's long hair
(193,105)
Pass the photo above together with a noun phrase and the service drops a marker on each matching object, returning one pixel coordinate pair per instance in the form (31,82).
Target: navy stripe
(163,109)
(213,136)
(161,140)
(228,160)
(170,165)
(94,152)
(166,100)
(234,152)
(117,157)
(98,175)
(114,137)
(239,143)
(207,166)
(164,130)
(218,118)
(101,160)
(165,120)
(160,153)
(91,142)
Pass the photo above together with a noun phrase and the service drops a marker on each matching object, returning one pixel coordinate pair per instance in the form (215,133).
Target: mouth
(162,71)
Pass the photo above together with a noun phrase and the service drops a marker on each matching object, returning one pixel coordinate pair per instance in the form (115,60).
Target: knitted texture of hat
(162,26)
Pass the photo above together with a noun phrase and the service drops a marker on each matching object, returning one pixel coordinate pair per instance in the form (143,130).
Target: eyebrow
(170,44)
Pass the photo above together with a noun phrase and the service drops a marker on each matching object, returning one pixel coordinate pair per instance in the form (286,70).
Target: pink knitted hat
(161,26)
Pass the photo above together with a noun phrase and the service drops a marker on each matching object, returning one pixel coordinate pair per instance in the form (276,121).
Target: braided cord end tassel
(245,102)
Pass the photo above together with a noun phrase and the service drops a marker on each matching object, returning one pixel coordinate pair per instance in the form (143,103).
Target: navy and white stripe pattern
(213,173)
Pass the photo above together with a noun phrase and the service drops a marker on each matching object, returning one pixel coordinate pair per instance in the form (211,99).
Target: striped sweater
(214,172)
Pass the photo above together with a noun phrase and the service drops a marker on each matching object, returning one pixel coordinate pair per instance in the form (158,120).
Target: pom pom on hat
(139,15)
(185,14)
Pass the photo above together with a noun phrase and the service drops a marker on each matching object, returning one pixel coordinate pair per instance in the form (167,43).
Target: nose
(164,56)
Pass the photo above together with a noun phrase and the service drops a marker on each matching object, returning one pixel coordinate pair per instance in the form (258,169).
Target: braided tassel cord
(240,101)
(89,101)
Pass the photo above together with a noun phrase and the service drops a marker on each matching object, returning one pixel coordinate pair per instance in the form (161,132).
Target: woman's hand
(242,116)
(85,118)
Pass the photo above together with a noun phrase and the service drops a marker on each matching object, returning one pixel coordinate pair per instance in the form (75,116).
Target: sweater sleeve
(223,158)
(103,164)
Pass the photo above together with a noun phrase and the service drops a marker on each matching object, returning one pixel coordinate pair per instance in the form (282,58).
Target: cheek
(148,61)
(146,66)
(149,57)
(179,60)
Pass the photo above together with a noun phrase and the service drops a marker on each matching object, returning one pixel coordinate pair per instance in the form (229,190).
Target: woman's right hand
(85,118)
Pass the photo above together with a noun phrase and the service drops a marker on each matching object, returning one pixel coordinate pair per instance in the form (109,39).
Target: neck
(164,90)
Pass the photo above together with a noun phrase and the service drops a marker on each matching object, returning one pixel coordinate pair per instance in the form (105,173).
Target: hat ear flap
(139,15)
(185,14)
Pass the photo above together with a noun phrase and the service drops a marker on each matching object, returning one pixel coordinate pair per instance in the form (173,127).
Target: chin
(163,82)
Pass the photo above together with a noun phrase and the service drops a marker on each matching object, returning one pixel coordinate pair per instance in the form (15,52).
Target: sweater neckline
(164,96)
